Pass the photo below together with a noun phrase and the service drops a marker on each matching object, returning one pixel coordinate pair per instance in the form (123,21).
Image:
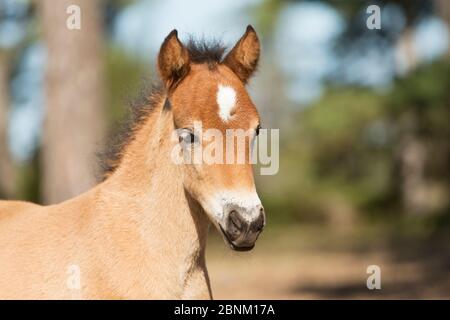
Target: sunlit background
(363,116)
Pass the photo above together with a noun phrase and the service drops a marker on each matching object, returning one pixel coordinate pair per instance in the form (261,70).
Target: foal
(141,233)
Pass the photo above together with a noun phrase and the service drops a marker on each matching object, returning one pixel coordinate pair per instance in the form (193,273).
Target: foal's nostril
(235,219)
(258,224)
(235,225)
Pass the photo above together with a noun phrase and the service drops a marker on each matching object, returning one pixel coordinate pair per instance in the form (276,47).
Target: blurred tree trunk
(406,53)
(417,193)
(413,185)
(412,151)
(7,172)
(74,124)
(266,14)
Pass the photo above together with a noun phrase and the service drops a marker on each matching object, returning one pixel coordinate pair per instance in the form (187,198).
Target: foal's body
(130,238)
(141,233)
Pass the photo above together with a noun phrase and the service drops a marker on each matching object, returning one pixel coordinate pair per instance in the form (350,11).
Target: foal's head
(204,88)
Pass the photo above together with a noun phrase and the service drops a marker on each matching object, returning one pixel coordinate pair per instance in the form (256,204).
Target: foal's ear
(173,60)
(244,56)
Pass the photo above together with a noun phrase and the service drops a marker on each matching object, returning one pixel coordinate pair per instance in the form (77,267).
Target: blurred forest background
(363,116)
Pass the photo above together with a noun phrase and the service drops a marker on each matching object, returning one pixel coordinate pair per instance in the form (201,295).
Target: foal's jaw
(239,216)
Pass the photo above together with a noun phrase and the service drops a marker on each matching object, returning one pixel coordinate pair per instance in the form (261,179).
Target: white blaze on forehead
(226,99)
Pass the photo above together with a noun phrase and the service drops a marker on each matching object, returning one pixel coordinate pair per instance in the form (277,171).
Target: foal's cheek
(194,175)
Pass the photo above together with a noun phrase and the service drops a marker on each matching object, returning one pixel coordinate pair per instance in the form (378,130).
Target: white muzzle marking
(244,199)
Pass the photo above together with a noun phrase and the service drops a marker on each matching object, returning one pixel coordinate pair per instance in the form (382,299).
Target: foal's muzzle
(242,226)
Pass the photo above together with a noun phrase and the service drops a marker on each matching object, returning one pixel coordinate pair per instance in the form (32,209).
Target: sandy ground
(316,263)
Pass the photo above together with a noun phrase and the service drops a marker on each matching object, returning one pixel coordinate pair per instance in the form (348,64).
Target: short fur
(141,233)
(200,51)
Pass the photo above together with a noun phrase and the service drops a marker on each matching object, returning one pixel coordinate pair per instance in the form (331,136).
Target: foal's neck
(146,191)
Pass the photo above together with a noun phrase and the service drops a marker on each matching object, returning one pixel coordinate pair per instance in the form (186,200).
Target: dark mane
(210,52)
(203,51)
(138,111)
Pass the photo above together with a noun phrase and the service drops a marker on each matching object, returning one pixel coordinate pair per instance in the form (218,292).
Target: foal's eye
(257,129)
(187,136)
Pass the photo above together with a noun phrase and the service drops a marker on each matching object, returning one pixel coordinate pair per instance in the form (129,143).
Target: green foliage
(343,152)
(344,144)
(29,180)
(125,76)
(334,154)
(425,93)
(266,14)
